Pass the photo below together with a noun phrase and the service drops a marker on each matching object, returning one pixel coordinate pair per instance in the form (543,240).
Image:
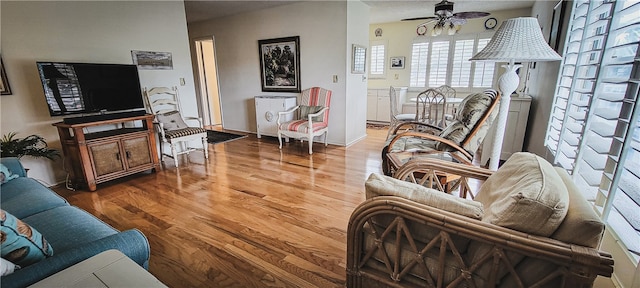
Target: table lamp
(517,40)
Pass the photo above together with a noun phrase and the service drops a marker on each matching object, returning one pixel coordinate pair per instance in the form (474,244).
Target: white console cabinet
(378,103)
(267,108)
(514,134)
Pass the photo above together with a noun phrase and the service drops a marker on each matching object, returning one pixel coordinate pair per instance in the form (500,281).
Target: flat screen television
(87,88)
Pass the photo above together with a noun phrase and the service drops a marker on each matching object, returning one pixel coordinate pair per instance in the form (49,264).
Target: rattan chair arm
(582,264)
(415,124)
(426,163)
(428,136)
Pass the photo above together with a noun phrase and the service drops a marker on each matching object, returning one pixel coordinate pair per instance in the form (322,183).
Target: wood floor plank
(251,215)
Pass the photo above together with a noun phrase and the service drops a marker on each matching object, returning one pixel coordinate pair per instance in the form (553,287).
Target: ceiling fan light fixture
(437,29)
(445,19)
(453,29)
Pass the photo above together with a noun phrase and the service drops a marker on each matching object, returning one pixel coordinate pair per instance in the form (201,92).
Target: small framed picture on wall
(397,62)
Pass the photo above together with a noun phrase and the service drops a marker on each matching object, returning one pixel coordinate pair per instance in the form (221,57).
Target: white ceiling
(381,10)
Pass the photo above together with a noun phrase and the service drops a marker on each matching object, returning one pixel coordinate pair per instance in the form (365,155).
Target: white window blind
(445,61)
(461,66)
(483,71)
(593,129)
(419,56)
(439,62)
(377,59)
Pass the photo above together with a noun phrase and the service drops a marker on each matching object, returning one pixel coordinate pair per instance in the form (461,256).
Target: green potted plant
(33,145)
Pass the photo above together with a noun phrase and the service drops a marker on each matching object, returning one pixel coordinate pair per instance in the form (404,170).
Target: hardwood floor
(249,216)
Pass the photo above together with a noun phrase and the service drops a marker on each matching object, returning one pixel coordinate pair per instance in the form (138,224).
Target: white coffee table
(107,269)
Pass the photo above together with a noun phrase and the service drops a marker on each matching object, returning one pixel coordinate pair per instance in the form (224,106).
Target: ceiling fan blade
(420,18)
(457,21)
(470,15)
(428,22)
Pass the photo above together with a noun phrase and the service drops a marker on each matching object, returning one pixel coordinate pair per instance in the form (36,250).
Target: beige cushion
(380,185)
(525,194)
(581,226)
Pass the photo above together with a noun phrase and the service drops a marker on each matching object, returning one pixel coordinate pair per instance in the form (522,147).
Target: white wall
(543,81)
(357,33)
(87,31)
(322,27)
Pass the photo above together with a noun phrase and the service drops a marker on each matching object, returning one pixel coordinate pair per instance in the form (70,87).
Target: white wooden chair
(397,118)
(313,117)
(164,103)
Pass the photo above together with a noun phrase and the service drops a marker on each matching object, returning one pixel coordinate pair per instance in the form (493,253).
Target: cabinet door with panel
(106,158)
(372,107)
(136,151)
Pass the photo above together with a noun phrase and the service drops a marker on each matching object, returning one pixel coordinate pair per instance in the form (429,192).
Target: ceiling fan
(446,19)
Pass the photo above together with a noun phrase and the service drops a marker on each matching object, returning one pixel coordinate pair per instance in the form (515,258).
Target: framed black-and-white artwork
(280,64)
(557,18)
(397,62)
(358,59)
(4,82)
(148,60)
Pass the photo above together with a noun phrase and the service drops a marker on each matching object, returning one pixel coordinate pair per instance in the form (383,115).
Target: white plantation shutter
(439,62)
(461,68)
(594,125)
(445,61)
(377,59)
(419,56)
(483,71)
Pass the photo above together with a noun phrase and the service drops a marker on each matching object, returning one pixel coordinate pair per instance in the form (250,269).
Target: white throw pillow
(171,120)
(7,267)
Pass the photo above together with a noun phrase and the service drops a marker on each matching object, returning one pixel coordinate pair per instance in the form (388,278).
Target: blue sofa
(74,234)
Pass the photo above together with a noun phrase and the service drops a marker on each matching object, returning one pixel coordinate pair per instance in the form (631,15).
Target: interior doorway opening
(210,107)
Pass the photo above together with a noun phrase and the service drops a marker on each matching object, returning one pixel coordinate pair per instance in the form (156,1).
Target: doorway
(211,110)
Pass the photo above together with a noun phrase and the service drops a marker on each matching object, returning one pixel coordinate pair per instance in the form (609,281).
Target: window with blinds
(483,71)
(461,66)
(593,128)
(439,63)
(419,61)
(445,61)
(377,59)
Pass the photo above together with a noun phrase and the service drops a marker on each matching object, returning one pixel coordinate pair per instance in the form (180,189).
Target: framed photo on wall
(397,62)
(4,82)
(280,64)
(148,60)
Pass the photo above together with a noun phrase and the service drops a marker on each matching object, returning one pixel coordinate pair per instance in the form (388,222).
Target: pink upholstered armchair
(313,117)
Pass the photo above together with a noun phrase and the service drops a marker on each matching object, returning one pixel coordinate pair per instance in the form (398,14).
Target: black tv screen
(86,88)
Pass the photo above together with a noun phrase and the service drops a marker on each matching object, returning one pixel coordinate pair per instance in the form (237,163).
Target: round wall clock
(490,23)
(421,30)
(378,32)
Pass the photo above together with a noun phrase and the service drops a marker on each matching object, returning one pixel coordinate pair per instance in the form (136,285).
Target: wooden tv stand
(95,157)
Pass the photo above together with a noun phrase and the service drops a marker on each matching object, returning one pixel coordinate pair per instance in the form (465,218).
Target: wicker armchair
(406,235)
(462,136)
